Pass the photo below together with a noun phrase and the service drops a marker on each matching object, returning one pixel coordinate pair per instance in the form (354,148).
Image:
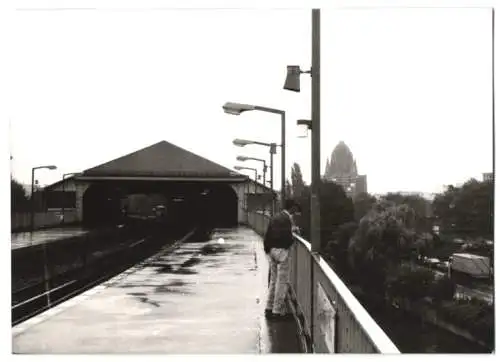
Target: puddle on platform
(185,271)
(164,269)
(135,285)
(169,289)
(186,252)
(149,301)
(190,262)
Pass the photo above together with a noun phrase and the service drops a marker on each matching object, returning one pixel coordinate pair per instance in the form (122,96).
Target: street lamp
(50,167)
(292,83)
(239,142)
(239,168)
(64,192)
(239,108)
(245,158)
(272,152)
(32,226)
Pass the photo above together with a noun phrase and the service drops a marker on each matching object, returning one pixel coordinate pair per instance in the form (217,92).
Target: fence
(21,221)
(331,319)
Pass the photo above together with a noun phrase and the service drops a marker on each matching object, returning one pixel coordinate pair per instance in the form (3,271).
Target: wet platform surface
(27,239)
(203,298)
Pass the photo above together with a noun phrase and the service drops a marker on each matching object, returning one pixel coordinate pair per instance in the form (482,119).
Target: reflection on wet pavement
(182,301)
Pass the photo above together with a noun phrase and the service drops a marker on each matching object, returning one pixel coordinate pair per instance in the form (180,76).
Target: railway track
(39,297)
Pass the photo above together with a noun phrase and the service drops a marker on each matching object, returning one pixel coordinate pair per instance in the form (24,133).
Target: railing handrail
(377,336)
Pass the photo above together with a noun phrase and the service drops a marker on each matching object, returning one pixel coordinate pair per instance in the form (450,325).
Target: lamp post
(264,169)
(32,227)
(239,168)
(272,152)
(292,83)
(64,192)
(50,167)
(238,108)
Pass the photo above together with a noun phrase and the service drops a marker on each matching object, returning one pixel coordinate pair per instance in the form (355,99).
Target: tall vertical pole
(493,79)
(271,170)
(493,100)
(63,199)
(264,171)
(283,159)
(315,132)
(315,161)
(255,184)
(32,215)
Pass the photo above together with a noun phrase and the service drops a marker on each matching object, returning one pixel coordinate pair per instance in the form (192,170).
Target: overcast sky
(408,90)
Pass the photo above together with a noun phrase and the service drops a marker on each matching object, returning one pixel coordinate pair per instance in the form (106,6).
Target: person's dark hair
(289,204)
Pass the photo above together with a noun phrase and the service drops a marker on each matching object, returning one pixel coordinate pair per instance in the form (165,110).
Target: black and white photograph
(249,178)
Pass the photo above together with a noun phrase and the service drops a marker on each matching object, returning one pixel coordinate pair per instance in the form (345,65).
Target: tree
(298,184)
(335,209)
(288,189)
(466,210)
(384,238)
(336,250)
(410,283)
(441,208)
(421,206)
(363,202)
(19,200)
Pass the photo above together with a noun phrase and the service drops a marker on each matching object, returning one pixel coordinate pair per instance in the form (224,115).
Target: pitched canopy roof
(162,159)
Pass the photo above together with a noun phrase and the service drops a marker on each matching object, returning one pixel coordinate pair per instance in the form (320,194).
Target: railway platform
(38,237)
(199,298)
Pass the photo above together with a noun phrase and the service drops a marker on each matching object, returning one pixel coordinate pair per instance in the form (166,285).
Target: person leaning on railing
(277,242)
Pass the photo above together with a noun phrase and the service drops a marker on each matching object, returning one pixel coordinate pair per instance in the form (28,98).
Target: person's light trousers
(278,283)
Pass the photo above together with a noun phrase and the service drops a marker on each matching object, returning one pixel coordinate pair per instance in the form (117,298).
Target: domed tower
(342,169)
(342,162)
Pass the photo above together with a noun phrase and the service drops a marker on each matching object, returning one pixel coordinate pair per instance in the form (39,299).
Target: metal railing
(331,319)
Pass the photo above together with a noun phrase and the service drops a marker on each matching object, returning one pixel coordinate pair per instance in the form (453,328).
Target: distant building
(341,168)
(488,176)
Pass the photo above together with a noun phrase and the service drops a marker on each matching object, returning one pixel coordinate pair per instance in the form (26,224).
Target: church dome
(342,161)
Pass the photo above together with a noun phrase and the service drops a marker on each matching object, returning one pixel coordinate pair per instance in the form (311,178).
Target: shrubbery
(442,289)
(379,253)
(409,283)
(475,315)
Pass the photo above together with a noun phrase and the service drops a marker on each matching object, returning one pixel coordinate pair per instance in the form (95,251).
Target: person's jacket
(279,233)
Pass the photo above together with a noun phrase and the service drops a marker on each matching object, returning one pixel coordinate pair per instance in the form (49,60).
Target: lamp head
(241,143)
(292,81)
(48,167)
(236,108)
(305,125)
(242,158)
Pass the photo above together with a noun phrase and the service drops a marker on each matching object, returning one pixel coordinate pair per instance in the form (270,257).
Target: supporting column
(80,191)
